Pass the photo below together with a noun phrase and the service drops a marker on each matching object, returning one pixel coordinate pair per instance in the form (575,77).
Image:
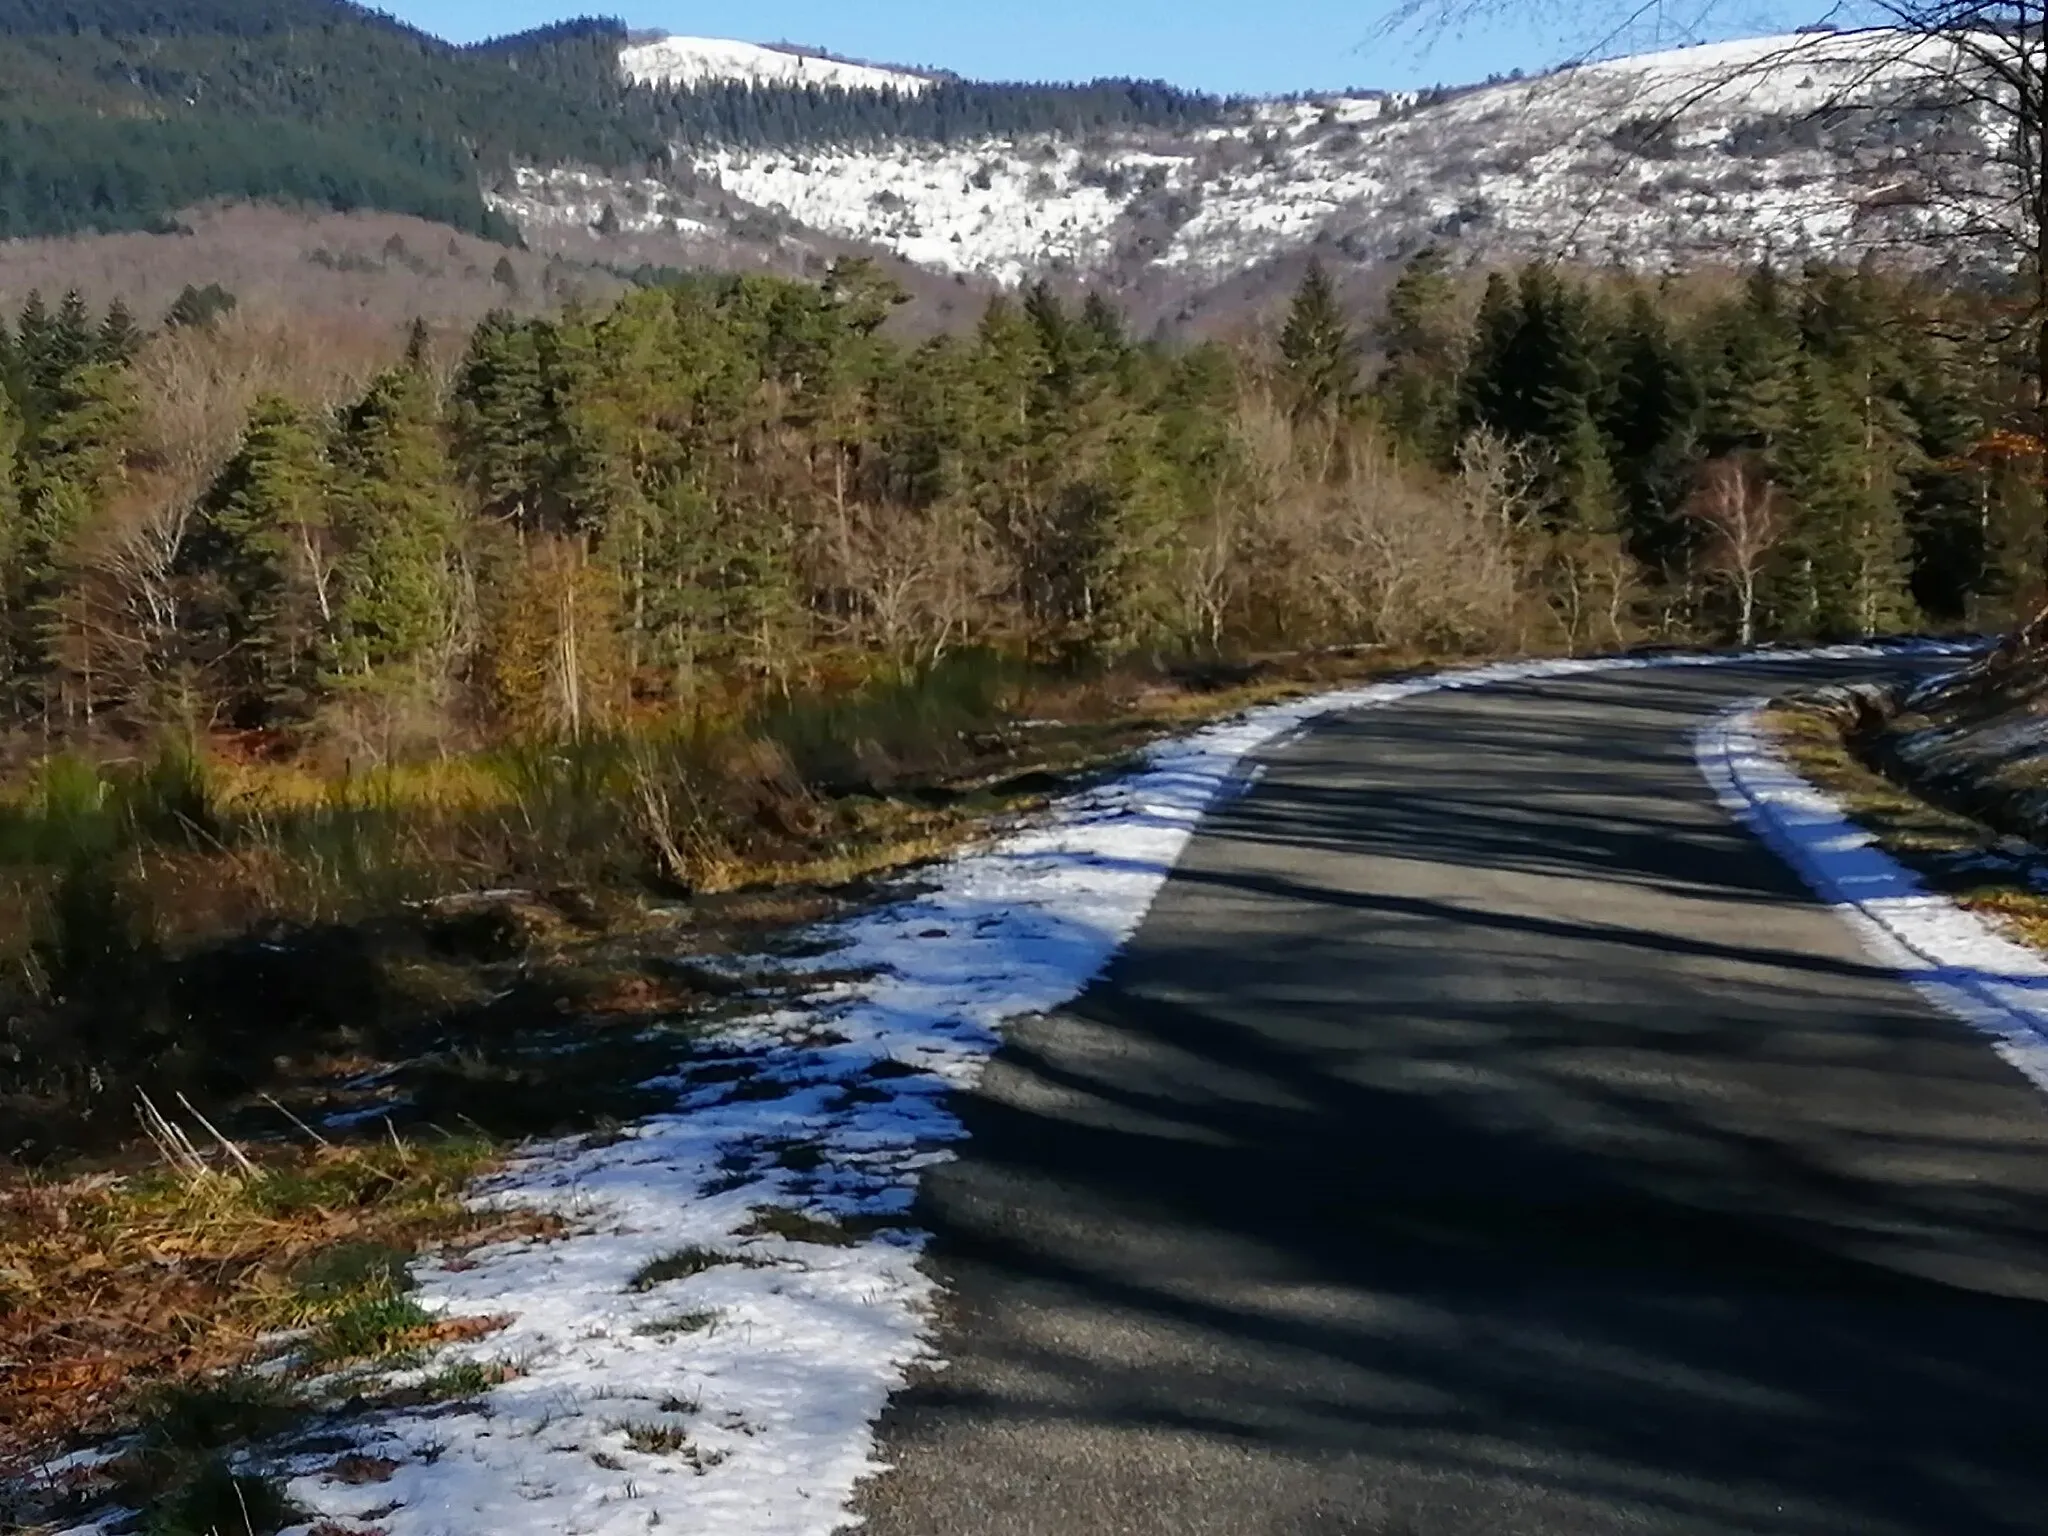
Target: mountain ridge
(588,139)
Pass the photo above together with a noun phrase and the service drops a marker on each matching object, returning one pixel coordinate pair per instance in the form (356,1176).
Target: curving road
(1484,1136)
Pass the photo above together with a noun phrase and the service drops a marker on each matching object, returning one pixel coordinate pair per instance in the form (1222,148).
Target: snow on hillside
(1710,149)
(999,208)
(1720,149)
(687,61)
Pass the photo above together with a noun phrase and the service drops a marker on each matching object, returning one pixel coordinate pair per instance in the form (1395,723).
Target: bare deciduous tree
(1743,517)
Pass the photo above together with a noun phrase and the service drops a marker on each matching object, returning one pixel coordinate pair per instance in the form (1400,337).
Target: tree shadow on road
(1486,1136)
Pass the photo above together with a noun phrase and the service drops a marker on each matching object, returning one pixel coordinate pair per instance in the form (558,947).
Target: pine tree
(1104,324)
(73,458)
(34,362)
(1839,464)
(1653,421)
(199,308)
(1318,354)
(506,433)
(70,346)
(263,556)
(119,337)
(1752,348)
(395,519)
(1424,343)
(10,533)
(1489,394)
(419,343)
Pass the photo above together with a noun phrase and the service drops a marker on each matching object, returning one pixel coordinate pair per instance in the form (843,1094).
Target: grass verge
(1971,863)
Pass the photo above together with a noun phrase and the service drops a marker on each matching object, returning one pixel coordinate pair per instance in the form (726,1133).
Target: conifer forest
(561,524)
(297,630)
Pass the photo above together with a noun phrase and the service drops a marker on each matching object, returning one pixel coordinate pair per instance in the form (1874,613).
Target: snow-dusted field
(740,1397)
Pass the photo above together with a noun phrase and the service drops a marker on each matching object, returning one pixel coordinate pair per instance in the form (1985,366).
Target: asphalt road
(1484,1135)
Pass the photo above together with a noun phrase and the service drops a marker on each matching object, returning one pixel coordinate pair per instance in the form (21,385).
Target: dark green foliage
(395,516)
(728,483)
(948,111)
(1863,400)
(1318,352)
(119,336)
(261,621)
(1422,344)
(216,1499)
(198,306)
(116,114)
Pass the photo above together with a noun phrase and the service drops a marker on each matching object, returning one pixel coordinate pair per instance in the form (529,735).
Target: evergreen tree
(70,337)
(1424,344)
(506,432)
(74,456)
(1851,537)
(1318,353)
(1752,348)
(1489,394)
(263,559)
(395,518)
(199,308)
(1104,325)
(119,337)
(10,536)
(1653,421)
(419,343)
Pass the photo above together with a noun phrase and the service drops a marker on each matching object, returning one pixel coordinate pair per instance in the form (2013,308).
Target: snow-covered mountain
(1805,144)
(687,61)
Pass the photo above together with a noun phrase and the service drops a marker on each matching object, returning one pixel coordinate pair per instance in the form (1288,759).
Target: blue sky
(1254,46)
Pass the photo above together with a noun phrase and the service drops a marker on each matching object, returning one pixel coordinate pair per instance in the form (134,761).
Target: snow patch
(682,62)
(1951,956)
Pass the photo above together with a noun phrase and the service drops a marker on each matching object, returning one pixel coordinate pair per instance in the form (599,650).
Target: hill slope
(688,61)
(585,139)
(115,112)
(1722,150)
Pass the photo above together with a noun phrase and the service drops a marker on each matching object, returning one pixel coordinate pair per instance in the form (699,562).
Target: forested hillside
(114,113)
(299,626)
(946,112)
(738,480)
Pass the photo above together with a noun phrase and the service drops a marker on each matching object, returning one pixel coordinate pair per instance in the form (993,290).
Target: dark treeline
(748,484)
(948,111)
(1826,452)
(117,114)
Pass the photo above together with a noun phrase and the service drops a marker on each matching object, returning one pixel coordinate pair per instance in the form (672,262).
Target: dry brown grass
(325,266)
(116,1286)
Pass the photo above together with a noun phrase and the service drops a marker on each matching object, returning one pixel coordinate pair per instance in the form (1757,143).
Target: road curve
(1484,1136)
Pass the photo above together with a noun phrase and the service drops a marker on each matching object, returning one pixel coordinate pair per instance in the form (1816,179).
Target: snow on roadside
(738,1394)
(1954,958)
